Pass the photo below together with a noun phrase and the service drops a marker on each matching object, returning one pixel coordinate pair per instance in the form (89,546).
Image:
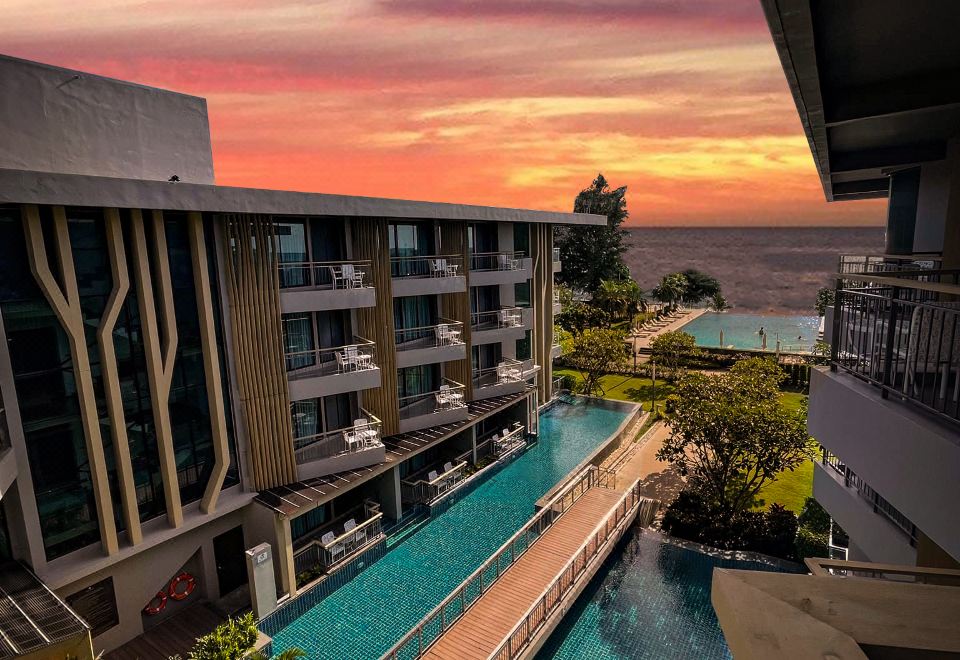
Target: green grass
(790,489)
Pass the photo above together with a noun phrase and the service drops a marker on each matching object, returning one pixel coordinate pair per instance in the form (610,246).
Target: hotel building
(877,88)
(190,370)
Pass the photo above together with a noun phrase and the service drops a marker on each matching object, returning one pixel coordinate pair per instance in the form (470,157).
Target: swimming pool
(796,333)
(368,614)
(650,601)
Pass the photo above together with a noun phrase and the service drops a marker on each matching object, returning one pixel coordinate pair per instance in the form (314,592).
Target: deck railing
(433,265)
(903,336)
(422,488)
(357,356)
(508,370)
(351,439)
(445,332)
(450,395)
(884,263)
(416,641)
(325,274)
(481,261)
(556,254)
(326,551)
(572,574)
(505,317)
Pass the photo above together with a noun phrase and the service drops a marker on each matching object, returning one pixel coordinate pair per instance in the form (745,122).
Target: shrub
(687,516)
(781,532)
(231,640)
(811,544)
(814,517)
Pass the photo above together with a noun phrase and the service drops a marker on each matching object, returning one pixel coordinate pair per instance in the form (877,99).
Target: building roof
(31,616)
(30,187)
(302,496)
(876,84)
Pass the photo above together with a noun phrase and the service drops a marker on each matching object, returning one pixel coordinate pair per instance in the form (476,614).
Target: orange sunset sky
(500,102)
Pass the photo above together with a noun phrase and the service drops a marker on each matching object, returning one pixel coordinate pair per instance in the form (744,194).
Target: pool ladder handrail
(575,488)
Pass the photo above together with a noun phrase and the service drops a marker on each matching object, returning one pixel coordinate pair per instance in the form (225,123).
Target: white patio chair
(450,269)
(438,267)
(447,466)
(453,335)
(336,551)
(933,348)
(354,440)
(352,277)
(336,274)
(432,475)
(343,363)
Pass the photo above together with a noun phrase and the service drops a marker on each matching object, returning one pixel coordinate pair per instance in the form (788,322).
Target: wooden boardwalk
(485,625)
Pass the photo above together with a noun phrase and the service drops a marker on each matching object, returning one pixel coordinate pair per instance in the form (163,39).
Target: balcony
(497,325)
(557,308)
(430,344)
(884,263)
(340,540)
(556,350)
(556,260)
(427,275)
(492,268)
(508,377)
(320,286)
(328,371)
(349,448)
(446,405)
(432,482)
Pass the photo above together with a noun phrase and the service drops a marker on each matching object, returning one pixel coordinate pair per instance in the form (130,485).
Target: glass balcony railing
(450,265)
(325,274)
(358,356)
(362,435)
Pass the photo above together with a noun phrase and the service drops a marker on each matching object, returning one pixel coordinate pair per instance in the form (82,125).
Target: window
(484,299)
(524,346)
(311,417)
(410,240)
(292,250)
(414,312)
(482,237)
(303,525)
(486,356)
(521,292)
(413,381)
(521,237)
(298,344)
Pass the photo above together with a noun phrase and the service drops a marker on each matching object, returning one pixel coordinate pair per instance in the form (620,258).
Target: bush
(781,532)
(231,640)
(811,544)
(814,517)
(687,516)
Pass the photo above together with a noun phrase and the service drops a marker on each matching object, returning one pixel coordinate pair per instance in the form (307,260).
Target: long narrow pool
(368,614)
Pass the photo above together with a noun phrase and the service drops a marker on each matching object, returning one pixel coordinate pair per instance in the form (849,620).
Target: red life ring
(175,582)
(161,600)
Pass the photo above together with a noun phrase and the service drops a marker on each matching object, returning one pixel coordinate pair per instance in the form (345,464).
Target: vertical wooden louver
(541,295)
(254,300)
(370,242)
(456,306)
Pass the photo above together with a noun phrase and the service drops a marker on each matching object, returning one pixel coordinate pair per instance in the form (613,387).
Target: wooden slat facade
(456,306)
(254,299)
(541,295)
(370,242)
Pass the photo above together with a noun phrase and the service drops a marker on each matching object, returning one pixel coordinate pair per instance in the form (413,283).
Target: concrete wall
(905,455)
(60,120)
(932,206)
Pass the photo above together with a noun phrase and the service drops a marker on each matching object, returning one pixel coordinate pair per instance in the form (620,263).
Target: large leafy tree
(729,435)
(591,254)
(671,289)
(579,316)
(671,350)
(594,351)
(619,298)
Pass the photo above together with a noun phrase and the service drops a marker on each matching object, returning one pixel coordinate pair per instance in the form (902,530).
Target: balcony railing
(428,485)
(358,356)
(347,535)
(325,274)
(445,333)
(883,263)
(880,505)
(496,261)
(449,396)
(505,317)
(902,335)
(363,434)
(435,265)
(507,371)
(556,254)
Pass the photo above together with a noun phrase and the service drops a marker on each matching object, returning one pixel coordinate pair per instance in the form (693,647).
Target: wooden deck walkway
(485,625)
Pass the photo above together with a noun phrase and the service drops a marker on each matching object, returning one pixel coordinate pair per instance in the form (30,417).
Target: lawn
(790,489)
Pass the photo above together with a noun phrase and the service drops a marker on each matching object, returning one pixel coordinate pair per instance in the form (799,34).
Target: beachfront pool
(648,602)
(796,333)
(368,614)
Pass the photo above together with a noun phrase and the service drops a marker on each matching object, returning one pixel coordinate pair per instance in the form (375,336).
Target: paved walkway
(486,624)
(659,480)
(685,317)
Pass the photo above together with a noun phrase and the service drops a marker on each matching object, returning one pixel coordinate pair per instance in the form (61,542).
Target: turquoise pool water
(796,333)
(649,602)
(368,614)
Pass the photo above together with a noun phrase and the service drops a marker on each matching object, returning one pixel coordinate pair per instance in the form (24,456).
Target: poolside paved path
(658,480)
(685,317)
(485,625)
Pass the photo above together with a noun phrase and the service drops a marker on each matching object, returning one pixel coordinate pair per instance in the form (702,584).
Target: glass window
(484,299)
(524,347)
(414,312)
(410,240)
(292,253)
(521,237)
(305,416)
(422,379)
(482,237)
(298,344)
(521,292)
(303,525)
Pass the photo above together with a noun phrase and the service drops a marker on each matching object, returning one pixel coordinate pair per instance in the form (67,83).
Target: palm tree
(671,289)
(719,303)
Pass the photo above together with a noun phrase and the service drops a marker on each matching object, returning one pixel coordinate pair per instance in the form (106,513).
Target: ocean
(764,269)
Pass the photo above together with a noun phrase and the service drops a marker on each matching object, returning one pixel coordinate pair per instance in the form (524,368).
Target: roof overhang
(876,84)
(30,187)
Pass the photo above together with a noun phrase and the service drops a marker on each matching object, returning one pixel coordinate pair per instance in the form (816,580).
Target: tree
(729,435)
(671,350)
(288,654)
(671,289)
(825,298)
(718,303)
(231,640)
(579,316)
(700,286)
(621,299)
(591,254)
(594,350)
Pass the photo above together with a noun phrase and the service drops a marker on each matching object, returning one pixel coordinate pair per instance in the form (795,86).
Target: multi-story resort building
(190,370)
(877,87)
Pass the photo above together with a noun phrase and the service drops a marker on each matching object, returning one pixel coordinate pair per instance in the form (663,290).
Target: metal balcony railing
(444,333)
(429,484)
(363,434)
(507,370)
(483,261)
(883,263)
(902,335)
(350,358)
(556,254)
(880,505)
(325,274)
(347,535)
(493,319)
(449,396)
(434,265)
